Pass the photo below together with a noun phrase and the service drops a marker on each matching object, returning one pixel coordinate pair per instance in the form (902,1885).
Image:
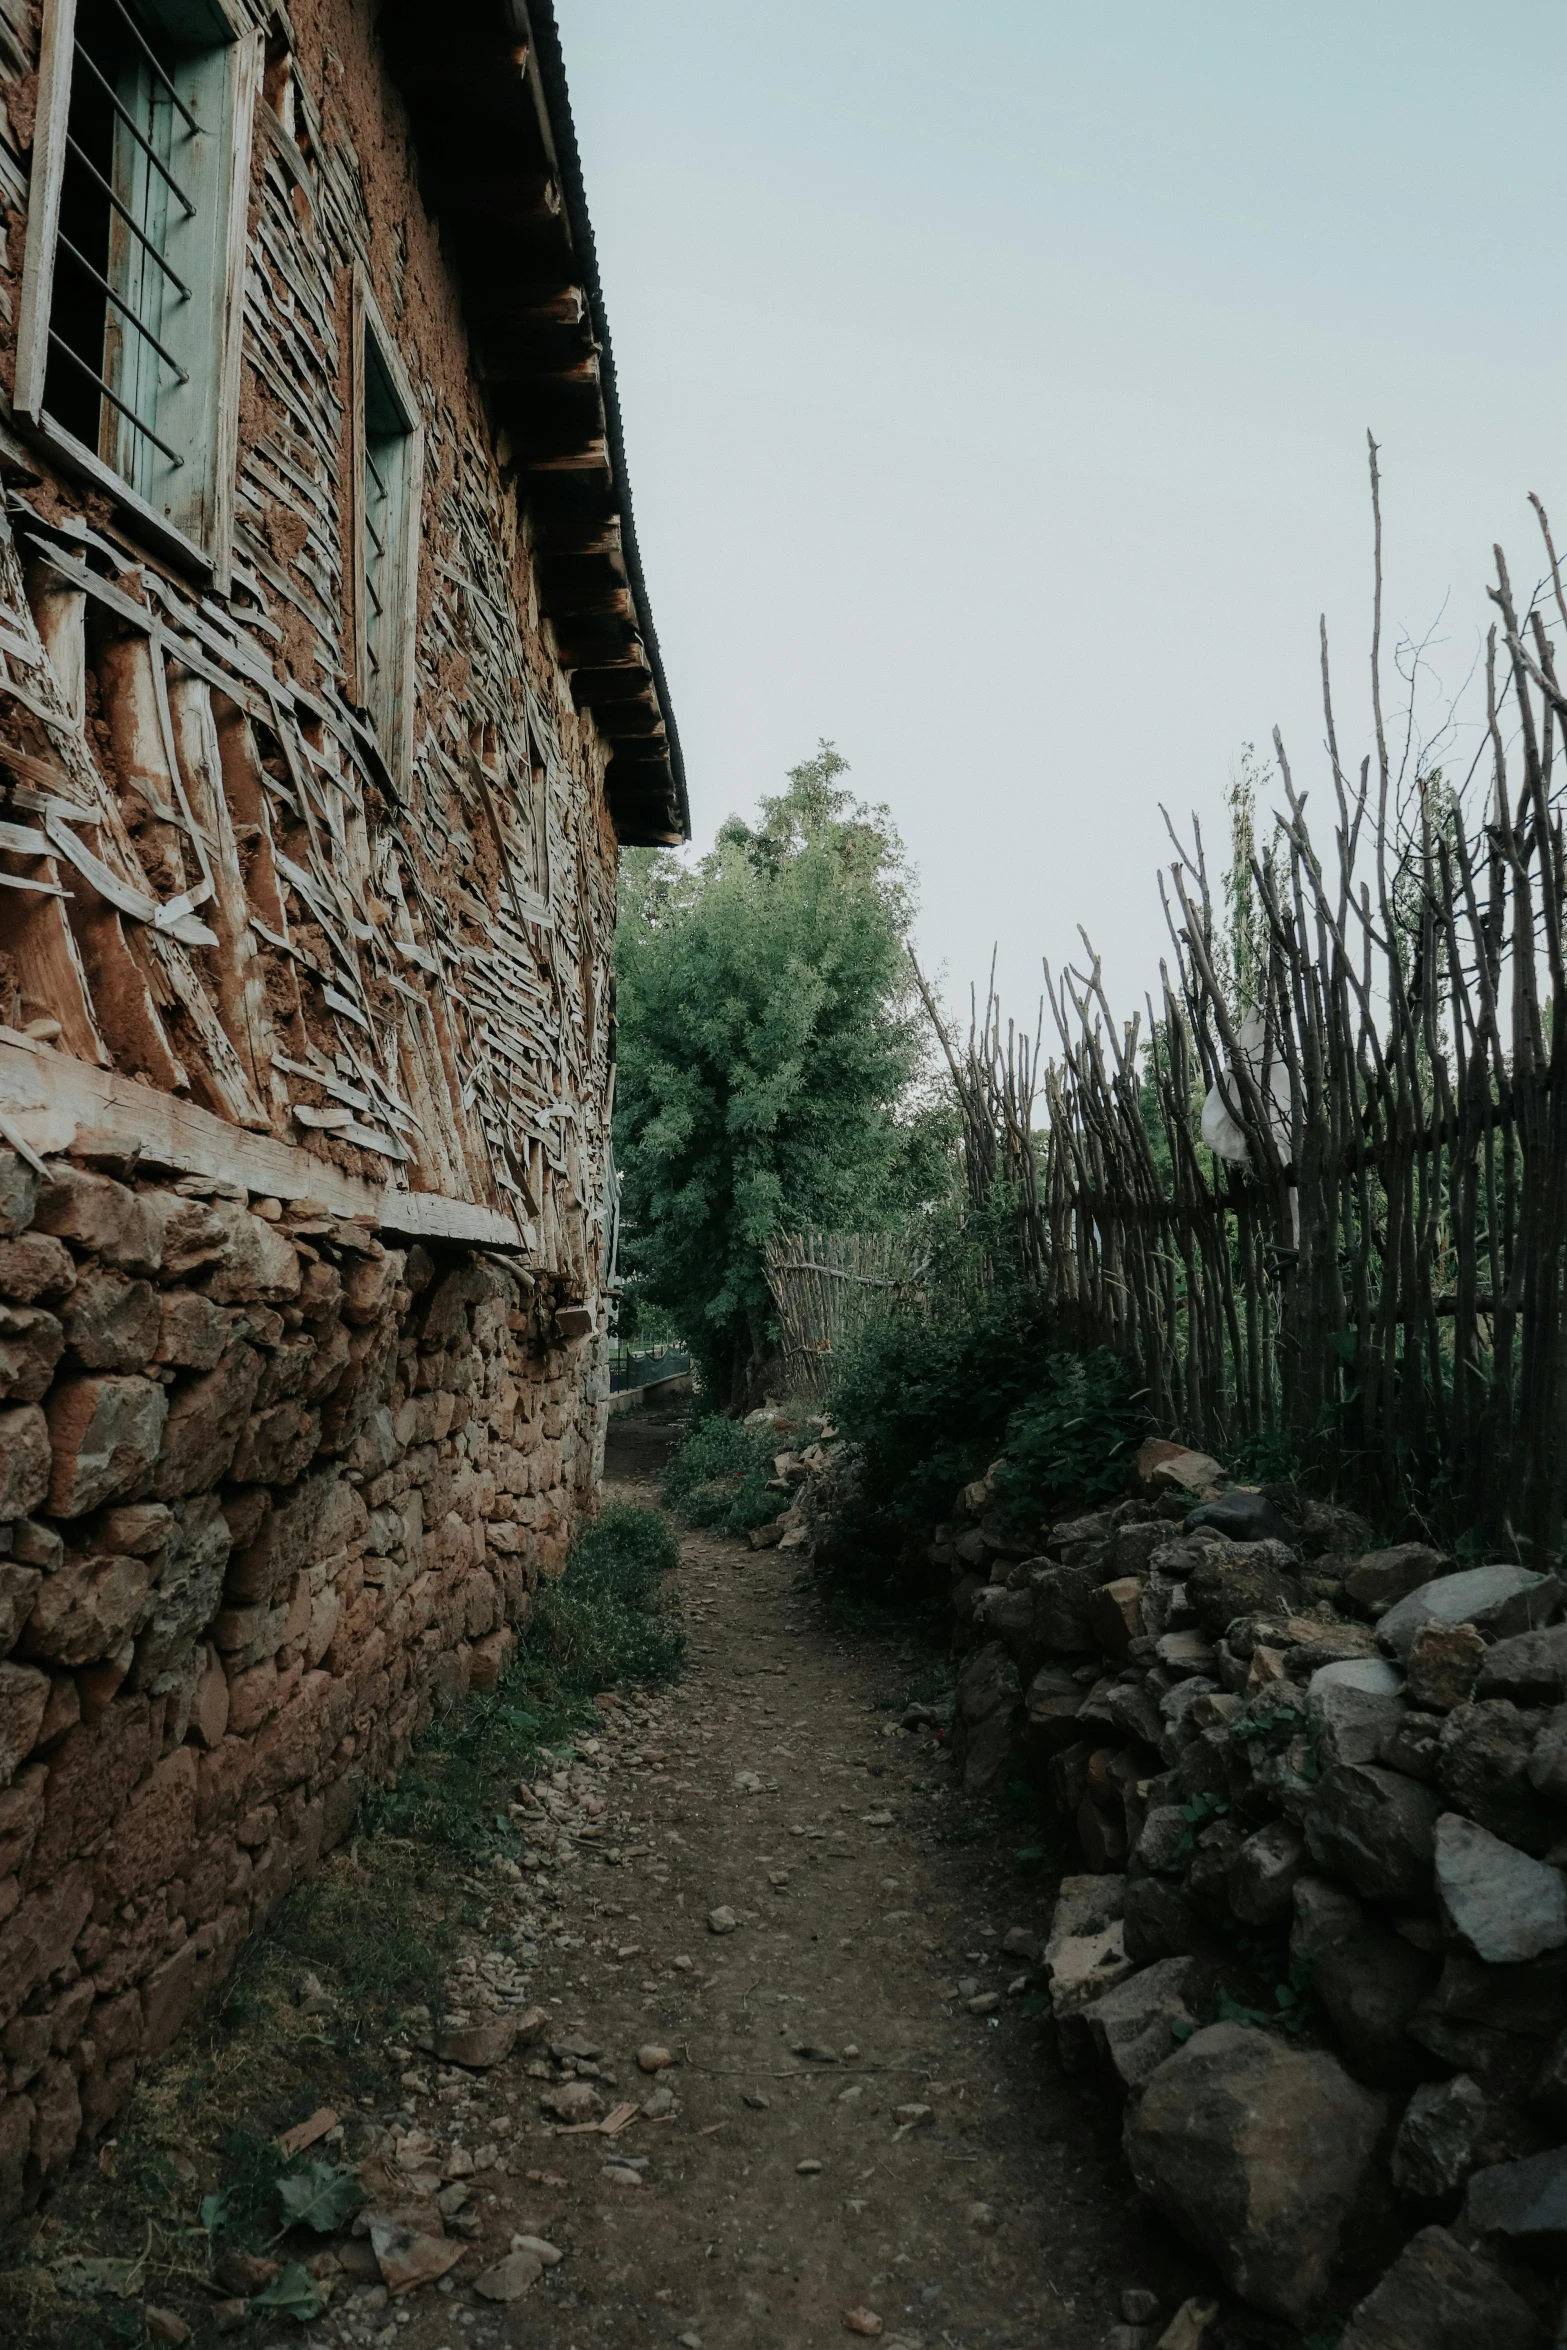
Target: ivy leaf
(322,2197)
(292,2293)
(215,2209)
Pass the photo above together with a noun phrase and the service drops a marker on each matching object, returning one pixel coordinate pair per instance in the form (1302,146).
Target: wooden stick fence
(826,1286)
(1365,1255)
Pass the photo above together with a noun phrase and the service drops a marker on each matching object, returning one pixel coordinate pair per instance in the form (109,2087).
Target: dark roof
(485,88)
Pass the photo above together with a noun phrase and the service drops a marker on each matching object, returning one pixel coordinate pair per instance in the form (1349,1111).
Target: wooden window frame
(209,555)
(390,699)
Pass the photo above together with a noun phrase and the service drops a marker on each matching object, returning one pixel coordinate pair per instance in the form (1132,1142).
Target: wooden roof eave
(500,171)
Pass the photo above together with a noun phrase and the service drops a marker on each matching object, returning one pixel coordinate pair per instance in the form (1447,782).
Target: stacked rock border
(1317,1940)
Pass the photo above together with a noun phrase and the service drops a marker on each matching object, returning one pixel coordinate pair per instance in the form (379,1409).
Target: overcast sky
(996,382)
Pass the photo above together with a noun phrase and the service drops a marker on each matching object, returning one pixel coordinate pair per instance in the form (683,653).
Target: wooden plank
(54,102)
(49,1097)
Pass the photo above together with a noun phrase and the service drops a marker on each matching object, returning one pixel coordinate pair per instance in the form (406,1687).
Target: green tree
(768,1057)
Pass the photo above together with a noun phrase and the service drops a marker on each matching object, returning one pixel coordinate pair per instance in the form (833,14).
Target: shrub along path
(859,2120)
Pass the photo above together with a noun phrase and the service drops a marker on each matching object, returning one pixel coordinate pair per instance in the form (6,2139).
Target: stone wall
(1314,1934)
(269,1489)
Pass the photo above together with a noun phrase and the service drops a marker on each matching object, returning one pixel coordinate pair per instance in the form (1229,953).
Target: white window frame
(199,534)
(386,687)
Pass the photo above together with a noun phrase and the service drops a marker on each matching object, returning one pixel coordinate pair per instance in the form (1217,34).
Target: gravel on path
(767,1912)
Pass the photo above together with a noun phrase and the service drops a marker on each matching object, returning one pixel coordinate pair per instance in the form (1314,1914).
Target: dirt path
(784,2190)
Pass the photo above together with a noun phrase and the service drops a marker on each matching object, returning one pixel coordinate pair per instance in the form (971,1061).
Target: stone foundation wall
(270,1487)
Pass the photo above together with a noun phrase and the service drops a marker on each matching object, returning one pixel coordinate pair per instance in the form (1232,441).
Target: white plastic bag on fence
(1221,1130)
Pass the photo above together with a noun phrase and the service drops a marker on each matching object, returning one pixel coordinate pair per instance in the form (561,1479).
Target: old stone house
(328,691)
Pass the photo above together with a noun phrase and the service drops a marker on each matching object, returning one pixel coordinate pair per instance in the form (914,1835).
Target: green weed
(718,1477)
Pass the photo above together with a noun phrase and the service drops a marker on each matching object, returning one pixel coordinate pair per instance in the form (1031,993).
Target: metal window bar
(124,307)
(113,397)
(379,545)
(129,217)
(158,67)
(137,133)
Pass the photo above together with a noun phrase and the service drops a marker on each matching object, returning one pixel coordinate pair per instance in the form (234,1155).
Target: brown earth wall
(270,1489)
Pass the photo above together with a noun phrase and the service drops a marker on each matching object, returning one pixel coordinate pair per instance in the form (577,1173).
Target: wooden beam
(47,1098)
(501,195)
(578,533)
(598,645)
(632,722)
(591,686)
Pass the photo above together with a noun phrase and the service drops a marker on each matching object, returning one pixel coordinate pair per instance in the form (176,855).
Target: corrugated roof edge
(552,72)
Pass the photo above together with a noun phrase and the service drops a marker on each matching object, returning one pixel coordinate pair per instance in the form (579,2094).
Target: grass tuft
(718,1477)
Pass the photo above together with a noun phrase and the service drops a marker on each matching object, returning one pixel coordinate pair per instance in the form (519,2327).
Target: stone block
(189,1580)
(987,1716)
(18,1193)
(1352,1707)
(1439,2295)
(1230,1579)
(104,1435)
(25,1460)
(1483,1759)
(19,1586)
(1052,1703)
(1369,1981)
(98,1215)
(1241,1516)
(1160,1466)
(1435,2147)
(1498,1601)
(57,2117)
(276,1445)
(24,1693)
(91,1774)
(207,1417)
(190,1234)
(369,1286)
(1136,2025)
(1442,1664)
(21,1817)
(1523,2203)
(1058,1599)
(34,1267)
(1531,1667)
(1413,1746)
(31,1343)
(1504,1905)
(16,2137)
(1085,1951)
(88,1608)
(110,1321)
(1378,1579)
(168,1998)
(139,1528)
(193,1333)
(256,1261)
(1115,1614)
(1257,2153)
(38,1935)
(1263,1872)
(1375,1828)
(153,1835)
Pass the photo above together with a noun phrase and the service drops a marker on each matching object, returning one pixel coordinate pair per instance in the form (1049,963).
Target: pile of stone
(1320,1941)
(269,1490)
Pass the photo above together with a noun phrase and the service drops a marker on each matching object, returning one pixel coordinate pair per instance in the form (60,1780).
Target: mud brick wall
(270,1487)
